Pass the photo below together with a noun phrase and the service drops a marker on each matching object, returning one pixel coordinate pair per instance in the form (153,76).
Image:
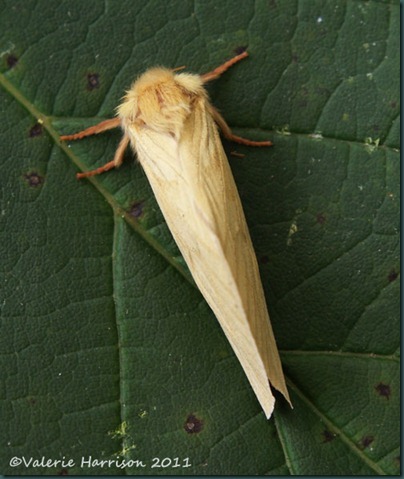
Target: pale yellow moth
(171,125)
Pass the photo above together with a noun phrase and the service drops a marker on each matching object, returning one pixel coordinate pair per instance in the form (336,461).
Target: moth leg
(115,163)
(93,130)
(227,133)
(222,68)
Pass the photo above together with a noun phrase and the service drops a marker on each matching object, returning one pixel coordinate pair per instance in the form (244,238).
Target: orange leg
(222,68)
(93,130)
(115,163)
(227,133)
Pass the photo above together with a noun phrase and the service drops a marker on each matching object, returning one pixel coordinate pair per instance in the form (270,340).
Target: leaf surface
(109,352)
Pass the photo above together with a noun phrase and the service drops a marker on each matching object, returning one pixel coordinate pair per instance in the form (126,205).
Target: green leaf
(109,352)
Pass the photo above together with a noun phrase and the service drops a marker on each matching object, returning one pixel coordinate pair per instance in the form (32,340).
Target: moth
(171,125)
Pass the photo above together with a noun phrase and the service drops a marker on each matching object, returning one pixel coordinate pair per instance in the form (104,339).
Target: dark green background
(106,346)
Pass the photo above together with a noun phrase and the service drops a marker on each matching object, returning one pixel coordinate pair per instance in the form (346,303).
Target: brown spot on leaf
(63,472)
(35,130)
(136,210)
(34,179)
(366,441)
(12,61)
(241,49)
(393,104)
(392,276)
(264,259)
(321,218)
(383,390)
(328,436)
(93,81)
(193,425)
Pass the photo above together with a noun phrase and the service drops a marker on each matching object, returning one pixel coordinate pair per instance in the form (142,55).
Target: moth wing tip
(268,404)
(269,409)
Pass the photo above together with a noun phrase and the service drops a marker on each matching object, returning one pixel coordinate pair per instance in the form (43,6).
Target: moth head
(161,100)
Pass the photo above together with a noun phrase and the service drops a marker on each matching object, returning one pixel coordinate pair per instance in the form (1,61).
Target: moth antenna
(178,68)
(212,75)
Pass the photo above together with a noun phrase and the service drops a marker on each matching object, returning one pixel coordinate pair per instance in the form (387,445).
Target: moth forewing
(184,161)
(172,127)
